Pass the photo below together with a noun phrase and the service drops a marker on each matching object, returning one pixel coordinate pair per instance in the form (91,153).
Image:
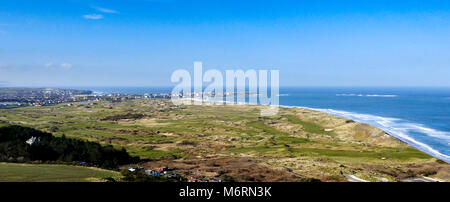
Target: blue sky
(141,42)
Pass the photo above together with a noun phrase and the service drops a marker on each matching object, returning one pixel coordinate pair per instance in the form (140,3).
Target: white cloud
(66,66)
(93,16)
(48,65)
(53,66)
(104,10)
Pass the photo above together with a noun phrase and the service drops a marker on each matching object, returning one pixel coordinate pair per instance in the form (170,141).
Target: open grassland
(231,141)
(14,172)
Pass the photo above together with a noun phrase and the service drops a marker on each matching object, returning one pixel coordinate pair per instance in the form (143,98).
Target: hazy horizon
(205,85)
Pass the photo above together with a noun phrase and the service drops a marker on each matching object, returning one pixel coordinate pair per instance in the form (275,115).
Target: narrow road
(420,179)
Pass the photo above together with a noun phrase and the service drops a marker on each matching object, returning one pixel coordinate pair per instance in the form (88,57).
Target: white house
(32,140)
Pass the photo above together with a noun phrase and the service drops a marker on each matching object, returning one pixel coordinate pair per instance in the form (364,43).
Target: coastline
(298,144)
(353,116)
(391,132)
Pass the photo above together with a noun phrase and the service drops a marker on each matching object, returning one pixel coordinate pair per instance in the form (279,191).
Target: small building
(162,169)
(32,140)
(135,169)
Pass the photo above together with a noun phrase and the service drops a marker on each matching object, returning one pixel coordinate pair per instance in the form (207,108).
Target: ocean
(417,116)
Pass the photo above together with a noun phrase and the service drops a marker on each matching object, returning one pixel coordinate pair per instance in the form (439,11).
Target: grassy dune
(204,141)
(13,172)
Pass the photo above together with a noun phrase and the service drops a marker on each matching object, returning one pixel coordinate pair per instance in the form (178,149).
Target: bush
(440,161)
(123,116)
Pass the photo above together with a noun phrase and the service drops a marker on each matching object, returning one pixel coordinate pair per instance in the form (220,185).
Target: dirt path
(352,178)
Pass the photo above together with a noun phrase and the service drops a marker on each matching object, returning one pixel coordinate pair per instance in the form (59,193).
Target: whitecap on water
(365,95)
(398,128)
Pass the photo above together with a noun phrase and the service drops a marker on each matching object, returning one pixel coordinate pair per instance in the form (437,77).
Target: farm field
(235,142)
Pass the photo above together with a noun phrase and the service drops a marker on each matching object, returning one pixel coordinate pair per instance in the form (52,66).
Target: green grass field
(14,172)
(306,142)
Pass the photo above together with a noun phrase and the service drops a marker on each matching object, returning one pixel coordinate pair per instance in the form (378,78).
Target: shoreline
(294,145)
(351,116)
(391,132)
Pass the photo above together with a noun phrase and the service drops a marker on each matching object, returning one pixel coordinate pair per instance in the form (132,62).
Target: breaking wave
(398,128)
(365,95)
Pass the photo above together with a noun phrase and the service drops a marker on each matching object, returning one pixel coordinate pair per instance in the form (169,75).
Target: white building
(32,140)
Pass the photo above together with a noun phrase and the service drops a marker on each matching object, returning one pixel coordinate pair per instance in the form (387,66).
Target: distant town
(22,97)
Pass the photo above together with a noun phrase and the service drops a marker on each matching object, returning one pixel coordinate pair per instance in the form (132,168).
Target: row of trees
(50,148)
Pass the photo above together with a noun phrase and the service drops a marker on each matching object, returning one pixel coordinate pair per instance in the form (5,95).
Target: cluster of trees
(49,148)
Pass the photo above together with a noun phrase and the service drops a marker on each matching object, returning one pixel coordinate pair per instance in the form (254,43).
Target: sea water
(417,116)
